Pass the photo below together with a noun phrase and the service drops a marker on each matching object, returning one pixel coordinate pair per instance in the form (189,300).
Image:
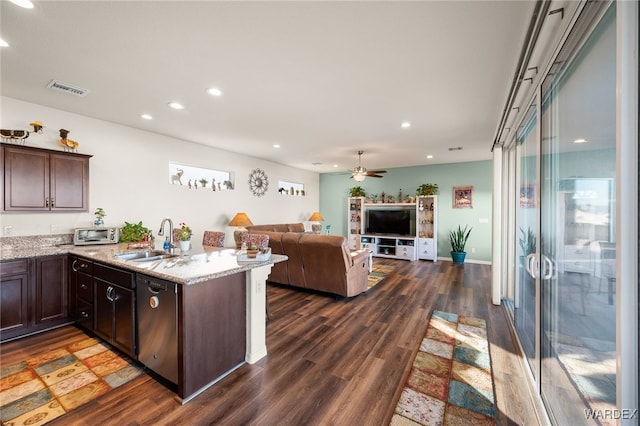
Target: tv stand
(391,247)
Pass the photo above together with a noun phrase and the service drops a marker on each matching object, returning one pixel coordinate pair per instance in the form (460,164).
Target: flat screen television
(400,222)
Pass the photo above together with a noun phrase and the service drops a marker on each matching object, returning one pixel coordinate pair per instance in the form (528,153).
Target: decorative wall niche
(291,188)
(200,178)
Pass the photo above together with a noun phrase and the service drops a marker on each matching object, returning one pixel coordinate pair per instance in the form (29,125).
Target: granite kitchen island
(220,306)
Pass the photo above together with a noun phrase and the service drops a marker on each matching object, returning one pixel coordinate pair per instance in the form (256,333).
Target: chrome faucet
(161,232)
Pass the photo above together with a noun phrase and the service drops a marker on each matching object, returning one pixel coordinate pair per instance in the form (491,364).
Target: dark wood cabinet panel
(33,295)
(69,183)
(37,179)
(51,299)
(26,179)
(14,299)
(114,307)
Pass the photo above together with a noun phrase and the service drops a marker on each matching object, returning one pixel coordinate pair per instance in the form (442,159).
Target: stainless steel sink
(145,256)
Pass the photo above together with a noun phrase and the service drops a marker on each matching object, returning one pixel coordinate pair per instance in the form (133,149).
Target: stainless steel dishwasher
(157,302)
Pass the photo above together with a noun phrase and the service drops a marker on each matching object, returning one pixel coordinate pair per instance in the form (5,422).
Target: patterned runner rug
(378,273)
(450,382)
(38,390)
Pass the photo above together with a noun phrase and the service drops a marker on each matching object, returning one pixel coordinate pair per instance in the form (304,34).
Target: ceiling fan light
(359,177)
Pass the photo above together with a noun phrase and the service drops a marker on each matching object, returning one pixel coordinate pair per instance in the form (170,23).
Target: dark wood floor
(331,361)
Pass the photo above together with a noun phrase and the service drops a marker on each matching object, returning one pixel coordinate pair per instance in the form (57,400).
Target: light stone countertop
(200,266)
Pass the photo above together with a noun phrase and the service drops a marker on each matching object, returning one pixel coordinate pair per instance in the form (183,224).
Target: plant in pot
(458,240)
(134,232)
(357,191)
(527,244)
(427,189)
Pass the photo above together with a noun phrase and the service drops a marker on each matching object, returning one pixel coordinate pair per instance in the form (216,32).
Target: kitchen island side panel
(211,331)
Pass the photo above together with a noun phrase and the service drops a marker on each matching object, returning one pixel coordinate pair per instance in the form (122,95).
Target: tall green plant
(458,238)
(527,241)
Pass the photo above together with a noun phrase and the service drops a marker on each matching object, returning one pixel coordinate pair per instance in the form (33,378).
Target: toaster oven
(88,236)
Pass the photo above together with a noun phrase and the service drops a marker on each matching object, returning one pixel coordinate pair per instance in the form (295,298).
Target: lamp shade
(316,217)
(241,219)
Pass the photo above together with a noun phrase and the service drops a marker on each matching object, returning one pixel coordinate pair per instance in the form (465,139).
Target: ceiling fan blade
(373,175)
(377,171)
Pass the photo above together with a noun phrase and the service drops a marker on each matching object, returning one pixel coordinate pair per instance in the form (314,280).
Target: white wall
(129,178)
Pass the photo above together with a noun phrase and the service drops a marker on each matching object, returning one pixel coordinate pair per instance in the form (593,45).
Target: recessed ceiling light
(175,105)
(23,3)
(276,145)
(3,43)
(405,125)
(580,141)
(147,116)
(429,156)
(335,166)
(214,91)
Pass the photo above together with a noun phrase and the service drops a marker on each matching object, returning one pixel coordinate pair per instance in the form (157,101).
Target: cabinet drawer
(83,265)
(113,275)
(14,267)
(85,314)
(85,287)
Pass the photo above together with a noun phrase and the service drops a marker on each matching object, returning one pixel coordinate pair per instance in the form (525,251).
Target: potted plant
(427,189)
(357,191)
(184,234)
(134,232)
(458,240)
(99,214)
(203,182)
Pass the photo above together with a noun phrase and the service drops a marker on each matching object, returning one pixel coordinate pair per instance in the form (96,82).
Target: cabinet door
(69,182)
(51,298)
(14,302)
(124,320)
(103,307)
(26,180)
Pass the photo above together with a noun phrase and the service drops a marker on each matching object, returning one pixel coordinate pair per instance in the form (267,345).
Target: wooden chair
(213,239)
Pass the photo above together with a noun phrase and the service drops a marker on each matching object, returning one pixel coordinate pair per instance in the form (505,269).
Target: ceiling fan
(360,173)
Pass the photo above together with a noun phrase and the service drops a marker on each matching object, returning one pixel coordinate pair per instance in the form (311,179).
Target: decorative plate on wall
(258,182)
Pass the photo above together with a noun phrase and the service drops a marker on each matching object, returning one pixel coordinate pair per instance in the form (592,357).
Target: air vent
(456,148)
(67,88)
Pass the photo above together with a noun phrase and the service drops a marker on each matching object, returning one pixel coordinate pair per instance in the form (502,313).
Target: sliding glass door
(577,250)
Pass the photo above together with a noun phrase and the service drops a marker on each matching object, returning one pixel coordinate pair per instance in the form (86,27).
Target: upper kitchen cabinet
(37,179)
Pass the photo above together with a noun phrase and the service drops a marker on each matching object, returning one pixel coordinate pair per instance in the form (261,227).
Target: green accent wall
(334,190)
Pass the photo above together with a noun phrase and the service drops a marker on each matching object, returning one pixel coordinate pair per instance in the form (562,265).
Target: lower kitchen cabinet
(51,300)
(81,291)
(115,307)
(33,295)
(14,299)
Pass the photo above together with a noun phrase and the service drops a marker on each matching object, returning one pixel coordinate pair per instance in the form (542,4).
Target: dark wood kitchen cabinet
(115,307)
(81,291)
(33,295)
(37,179)
(14,298)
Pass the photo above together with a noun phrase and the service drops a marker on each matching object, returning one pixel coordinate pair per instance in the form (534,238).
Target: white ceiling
(321,79)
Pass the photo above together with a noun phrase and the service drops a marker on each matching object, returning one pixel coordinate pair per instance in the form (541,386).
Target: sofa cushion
(292,250)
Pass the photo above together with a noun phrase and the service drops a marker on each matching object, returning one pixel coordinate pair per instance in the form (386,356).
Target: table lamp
(315,220)
(240,220)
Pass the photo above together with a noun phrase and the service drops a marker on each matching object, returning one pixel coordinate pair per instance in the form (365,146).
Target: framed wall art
(462,197)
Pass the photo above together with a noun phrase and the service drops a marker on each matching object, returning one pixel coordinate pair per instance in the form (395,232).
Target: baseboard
(467,260)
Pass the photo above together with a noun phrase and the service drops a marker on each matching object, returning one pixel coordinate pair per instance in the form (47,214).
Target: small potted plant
(458,240)
(203,182)
(184,235)
(99,214)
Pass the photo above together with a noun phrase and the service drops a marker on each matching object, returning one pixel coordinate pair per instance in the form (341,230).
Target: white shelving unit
(427,220)
(355,222)
(423,246)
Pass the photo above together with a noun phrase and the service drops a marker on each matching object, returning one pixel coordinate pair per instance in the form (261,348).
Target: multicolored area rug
(450,382)
(38,390)
(378,273)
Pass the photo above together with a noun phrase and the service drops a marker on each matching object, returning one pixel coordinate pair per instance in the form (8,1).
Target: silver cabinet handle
(73,265)
(110,294)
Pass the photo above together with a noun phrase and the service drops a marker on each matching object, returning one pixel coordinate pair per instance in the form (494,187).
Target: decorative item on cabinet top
(200,178)
(19,136)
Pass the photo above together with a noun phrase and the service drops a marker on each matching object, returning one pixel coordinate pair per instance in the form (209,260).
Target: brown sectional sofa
(318,262)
